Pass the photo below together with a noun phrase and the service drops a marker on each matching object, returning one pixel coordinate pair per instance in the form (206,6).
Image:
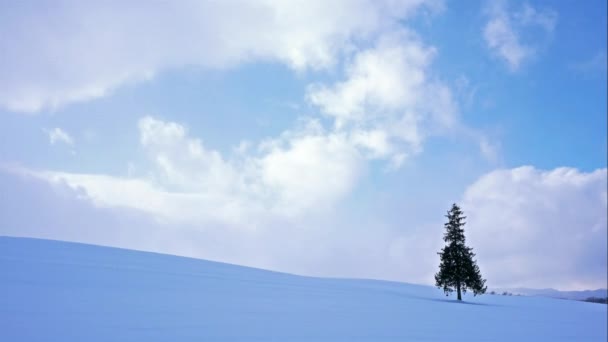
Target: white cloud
(500,37)
(58,135)
(385,109)
(305,169)
(63,52)
(389,102)
(310,170)
(531,227)
(529,16)
(302,171)
(379,81)
(375,141)
(489,150)
(506,31)
(184,164)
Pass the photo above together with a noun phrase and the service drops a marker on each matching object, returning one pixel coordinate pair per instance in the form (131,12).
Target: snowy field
(57,291)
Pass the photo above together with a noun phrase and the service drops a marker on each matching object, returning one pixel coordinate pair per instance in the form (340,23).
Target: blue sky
(241,132)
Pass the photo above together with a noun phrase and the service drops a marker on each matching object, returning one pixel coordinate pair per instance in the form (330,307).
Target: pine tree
(458,270)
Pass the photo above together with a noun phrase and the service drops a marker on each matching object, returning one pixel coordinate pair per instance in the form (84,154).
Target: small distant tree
(458,271)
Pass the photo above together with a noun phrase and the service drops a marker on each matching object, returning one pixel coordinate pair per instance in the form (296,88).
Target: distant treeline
(504,293)
(597,300)
(590,299)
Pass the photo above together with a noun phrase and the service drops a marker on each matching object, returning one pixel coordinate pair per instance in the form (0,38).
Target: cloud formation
(58,135)
(385,108)
(532,227)
(59,52)
(301,171)
(389,101)
(382,110)
(509,34)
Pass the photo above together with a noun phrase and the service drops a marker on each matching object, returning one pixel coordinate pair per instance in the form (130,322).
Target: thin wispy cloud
(58,135)
(508,33)
(596,64)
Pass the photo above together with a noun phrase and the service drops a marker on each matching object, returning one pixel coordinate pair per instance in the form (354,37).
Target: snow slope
(58,291)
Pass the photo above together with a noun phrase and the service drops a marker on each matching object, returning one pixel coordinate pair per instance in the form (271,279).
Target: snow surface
(59,291)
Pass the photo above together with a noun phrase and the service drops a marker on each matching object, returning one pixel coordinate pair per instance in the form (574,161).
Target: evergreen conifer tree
(458,270)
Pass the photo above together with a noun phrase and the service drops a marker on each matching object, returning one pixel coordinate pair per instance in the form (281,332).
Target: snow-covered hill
(58,291)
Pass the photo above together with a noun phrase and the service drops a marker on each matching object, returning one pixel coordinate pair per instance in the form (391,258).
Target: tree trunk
(458,288)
